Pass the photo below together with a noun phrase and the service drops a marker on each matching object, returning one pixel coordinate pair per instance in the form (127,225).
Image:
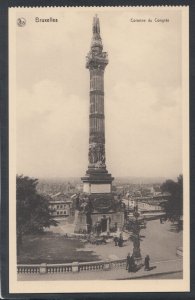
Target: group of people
(131,265)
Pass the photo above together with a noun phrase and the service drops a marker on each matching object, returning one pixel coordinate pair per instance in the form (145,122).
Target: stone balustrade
(71,267)
(58,268)
(31,269)
(118,264)
(91,266)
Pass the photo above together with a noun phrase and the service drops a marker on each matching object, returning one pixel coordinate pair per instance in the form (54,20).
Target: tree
(32,209)
(174,206)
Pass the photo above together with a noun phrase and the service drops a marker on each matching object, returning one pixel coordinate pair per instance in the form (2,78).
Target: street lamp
(136,237)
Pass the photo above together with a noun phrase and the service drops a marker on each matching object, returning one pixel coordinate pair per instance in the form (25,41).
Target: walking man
(116,241)
(128,261)
(147,263)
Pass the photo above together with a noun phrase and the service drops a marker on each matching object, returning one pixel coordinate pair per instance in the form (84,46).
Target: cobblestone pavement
(157,268)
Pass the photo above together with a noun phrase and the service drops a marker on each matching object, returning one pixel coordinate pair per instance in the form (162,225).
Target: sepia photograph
(99,158)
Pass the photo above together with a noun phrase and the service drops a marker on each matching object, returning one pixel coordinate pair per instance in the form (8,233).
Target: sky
(143,93)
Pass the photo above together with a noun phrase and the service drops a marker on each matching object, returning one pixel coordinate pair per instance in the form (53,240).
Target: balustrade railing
(31,269)
(71,267)
(61,268)
(118,264)
(91,266)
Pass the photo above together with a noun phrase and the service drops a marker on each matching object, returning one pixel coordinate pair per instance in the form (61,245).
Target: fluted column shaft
(96,114)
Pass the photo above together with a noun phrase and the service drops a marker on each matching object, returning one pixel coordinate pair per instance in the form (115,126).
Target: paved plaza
(158,240)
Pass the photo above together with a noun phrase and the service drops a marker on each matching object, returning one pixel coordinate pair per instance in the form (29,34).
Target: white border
(111,285)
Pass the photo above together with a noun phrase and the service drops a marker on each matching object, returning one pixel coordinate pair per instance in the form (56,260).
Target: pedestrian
(128,261)
(133,264)
(130,266)
(115,226)
(116,241)
(120,241)
(147,263)
(98,228)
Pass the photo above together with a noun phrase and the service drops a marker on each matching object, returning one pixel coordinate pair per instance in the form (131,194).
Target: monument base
(96,188)
(103,211)
(85,222)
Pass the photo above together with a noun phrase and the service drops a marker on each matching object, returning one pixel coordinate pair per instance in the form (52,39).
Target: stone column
(97,181)
(96,63)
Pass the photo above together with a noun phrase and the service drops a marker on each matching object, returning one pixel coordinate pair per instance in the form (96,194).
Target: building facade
(60,205)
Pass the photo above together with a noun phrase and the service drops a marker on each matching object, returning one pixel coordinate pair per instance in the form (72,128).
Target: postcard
(99,149)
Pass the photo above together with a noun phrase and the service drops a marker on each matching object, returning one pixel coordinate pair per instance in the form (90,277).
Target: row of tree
(174,206)
(32,209)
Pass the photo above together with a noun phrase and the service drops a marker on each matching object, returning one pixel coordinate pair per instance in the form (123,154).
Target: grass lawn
(53,248)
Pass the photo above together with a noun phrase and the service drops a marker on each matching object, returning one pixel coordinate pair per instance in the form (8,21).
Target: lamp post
(136,237)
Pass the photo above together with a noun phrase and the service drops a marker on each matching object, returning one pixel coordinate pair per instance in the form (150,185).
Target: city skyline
(142,96)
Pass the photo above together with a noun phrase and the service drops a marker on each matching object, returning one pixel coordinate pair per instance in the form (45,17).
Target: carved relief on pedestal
(96,155)
(102,202)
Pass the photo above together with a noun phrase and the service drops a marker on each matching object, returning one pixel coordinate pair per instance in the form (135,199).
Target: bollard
(43,268)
